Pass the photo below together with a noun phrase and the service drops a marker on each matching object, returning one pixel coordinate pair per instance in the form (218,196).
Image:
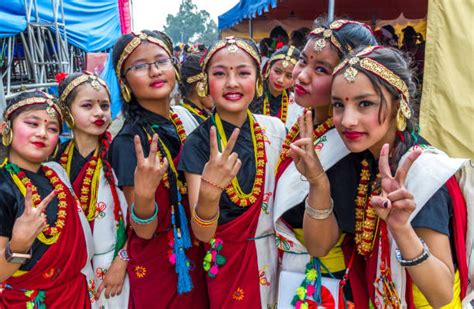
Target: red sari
(57,275)
(153,279)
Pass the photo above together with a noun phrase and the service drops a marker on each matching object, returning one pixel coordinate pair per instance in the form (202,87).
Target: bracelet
(303,178)
(143,221)
(416,261)
(212,183)
(318,214)
(202,222)
(123,255)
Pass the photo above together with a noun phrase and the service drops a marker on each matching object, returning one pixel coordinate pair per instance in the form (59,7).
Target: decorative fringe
(182,264)
(183,222)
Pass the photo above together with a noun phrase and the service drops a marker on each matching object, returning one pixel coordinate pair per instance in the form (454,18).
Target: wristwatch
(123,255)
(16,258)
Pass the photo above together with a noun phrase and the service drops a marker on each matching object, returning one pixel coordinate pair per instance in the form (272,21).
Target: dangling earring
(401,121)
(69,119)
(259,87)
(202,88)
(330,110)
(126,94)
(55,152)
(7,134)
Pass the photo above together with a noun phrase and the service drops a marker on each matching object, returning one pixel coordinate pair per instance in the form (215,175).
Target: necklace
(193,109)
(233,190)
(88,194)
(366,220)
(293,134)
(283,113)
(50,234)
(178,124)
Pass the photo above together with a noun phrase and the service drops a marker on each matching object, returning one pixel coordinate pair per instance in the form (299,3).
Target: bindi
(231,68)
(346,98)
(311,57)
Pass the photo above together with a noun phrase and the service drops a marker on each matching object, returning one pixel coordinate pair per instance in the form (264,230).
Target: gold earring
(7,134)
(259,87)
(126,94)
(330,111)
(401,121)
(69,119)
(202,88)
(55,152)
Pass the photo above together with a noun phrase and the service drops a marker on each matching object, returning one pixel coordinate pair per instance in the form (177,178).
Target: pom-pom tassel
(183,221)
(184,279)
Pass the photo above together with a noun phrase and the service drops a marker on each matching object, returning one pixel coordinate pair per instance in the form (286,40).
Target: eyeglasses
(141,69)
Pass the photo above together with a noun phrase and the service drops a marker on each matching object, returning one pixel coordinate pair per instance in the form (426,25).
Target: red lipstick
(353,135)
(299,90)
(99,122)
(157,84)
(39,144)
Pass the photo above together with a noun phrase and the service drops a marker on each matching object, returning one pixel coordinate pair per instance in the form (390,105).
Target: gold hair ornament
(287,58)
(53,109)
(95,83)
(195,78)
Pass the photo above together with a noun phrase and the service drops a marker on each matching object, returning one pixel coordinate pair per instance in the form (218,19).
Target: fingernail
(385,204)
(28,185)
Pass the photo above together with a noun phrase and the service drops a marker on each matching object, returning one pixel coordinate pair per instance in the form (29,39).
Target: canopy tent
(259,16)
(91,25)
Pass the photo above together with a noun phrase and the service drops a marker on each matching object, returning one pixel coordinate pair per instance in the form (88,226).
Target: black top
(344,178)
(196,154)
(122,150)
(256,106)
(12,205)
(198,119)
(77,163)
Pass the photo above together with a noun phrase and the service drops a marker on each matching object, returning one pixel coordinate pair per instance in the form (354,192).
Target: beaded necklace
(366,220)
(50,234)
(195,110)
(294,132)
(88,194)
(233,190)
(283,107)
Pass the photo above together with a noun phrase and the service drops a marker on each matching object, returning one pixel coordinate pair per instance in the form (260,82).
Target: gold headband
(287,58)
(52,108)
(379,70)
(328,35)
(232,45)
(195,78)
(95,82)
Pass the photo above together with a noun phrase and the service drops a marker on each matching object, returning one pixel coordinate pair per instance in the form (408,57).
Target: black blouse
(196,154)
(77,163)
(198,119)
(122,150)
(275,102)
(12,205)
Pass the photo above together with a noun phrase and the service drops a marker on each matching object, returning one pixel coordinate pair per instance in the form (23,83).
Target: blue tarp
(242,10)
(91,25)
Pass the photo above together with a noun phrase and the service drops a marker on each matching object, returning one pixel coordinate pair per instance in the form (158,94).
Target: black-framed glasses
(141,69)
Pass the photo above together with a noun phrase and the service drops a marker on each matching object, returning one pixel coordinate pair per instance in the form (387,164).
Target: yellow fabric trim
(421,302)
(19,273)
(334,260)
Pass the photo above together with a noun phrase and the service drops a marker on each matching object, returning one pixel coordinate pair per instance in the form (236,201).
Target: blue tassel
(184,279)
(318,283)
(183,221)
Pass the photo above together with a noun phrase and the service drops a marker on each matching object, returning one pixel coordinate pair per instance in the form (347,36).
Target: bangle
(416,261)
(202,222)
(143,221)
(318,214)
(123,255)
(212,183)
(303,178)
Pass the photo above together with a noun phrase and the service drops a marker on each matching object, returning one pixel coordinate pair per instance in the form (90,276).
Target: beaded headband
(287,58)
(362,59)
(53,109)
(328,35)
(233,44)
(95,82)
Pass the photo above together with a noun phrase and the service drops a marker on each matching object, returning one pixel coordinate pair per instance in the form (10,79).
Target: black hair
(190,67)
(397,62)
(282,51)
(279,31)
(131,110)
(265,46)
(350,35)
(298,37)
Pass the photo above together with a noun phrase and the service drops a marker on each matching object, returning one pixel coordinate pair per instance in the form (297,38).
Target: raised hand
(149,170)
(223,166)
(395,204)
(302,151)
(30,223)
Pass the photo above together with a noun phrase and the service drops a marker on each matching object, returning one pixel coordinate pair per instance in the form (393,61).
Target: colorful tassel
(182,264)
(183,221)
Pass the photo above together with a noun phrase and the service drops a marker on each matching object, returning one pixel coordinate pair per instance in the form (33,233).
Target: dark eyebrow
(159,55)
(326,64)
(240,66)
(359,97)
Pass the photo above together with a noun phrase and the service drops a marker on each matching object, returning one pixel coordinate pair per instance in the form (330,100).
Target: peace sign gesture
(149,170)
(31,222)
(395,204)
(223,166)
(302,151)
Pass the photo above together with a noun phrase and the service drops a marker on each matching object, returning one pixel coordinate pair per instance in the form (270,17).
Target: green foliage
(191,25)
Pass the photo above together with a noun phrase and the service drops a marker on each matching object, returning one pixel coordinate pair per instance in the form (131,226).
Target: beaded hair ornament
(328,35)
(363,60)
(287,58)
(138,39)
(233,44)
(94,81)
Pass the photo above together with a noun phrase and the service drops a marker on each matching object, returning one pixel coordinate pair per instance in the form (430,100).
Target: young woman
(191,74)
(237,224)
(164,261)
(86,102)
(44,235)
(401,209)
(277,99)
(327,45)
